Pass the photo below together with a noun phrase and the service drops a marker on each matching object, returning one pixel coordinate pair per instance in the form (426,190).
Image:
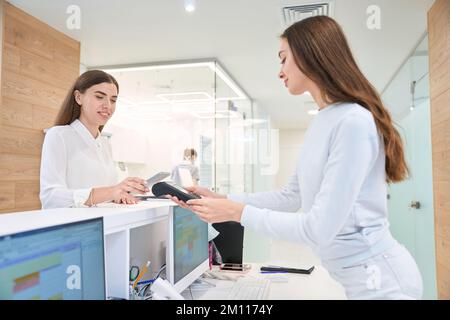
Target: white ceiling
(241,34)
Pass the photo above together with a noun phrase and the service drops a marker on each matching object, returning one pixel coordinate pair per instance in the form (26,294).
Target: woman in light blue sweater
(350,151)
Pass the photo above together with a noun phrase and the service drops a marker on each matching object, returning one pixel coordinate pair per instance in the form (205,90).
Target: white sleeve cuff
(237,198)
(249,216)
(80,196)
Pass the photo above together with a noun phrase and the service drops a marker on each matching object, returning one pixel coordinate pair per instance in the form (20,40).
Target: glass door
(410,203)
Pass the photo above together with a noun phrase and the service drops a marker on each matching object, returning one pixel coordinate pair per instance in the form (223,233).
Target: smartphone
(235,267)
(157,178)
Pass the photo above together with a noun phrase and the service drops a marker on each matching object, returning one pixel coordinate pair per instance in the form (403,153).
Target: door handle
(415,204)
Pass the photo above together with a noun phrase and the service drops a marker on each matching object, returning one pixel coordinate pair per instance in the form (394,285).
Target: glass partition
(410,203)
(165,108)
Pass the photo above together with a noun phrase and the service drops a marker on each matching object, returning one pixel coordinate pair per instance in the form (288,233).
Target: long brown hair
(70,110)
(322,53)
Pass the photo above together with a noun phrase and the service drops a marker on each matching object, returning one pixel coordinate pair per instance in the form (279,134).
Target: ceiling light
(219,114)
(212,65)
(248,123)
(218,70)
(313,112)
(185,97)
(157,66)
(189,5)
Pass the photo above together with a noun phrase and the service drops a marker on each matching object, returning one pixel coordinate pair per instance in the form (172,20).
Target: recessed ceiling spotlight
(189,5)
(313,112)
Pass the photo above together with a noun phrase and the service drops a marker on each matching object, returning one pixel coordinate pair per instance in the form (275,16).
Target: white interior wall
(289,253)
(257,246)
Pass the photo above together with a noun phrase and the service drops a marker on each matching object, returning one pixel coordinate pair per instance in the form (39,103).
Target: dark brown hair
(70,110)
(322,53)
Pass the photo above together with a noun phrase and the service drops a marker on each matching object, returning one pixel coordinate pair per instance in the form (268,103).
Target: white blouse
(340,183)
(73,162)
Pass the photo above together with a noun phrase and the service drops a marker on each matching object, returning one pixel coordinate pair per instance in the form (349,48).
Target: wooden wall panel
(39,64)
(439,47)
(7,195)
(43,117)
(16,113)
(443,286)
(18,168)
(31,91)
(440,112)
(33,66)
(26,193)
(21,141)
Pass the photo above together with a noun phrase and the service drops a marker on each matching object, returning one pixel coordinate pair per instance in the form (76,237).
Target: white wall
(257,246)
(289,253)
(290,143)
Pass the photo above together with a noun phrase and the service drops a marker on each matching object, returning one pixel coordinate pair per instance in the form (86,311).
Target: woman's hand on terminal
(216,210)
(200,191)
(178,202)
(212,210)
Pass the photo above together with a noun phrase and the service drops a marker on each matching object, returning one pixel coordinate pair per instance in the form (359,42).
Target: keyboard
(249,289)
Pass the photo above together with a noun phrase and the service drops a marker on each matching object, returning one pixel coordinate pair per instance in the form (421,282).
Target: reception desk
(120,222)
(137,231)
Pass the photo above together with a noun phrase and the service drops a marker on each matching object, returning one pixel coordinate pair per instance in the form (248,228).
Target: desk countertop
(114,215)
(284,286)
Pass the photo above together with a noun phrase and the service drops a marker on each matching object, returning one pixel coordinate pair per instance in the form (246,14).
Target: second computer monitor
(187,254)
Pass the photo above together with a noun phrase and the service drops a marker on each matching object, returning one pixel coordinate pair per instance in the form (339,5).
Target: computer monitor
(64,262)
(187,256)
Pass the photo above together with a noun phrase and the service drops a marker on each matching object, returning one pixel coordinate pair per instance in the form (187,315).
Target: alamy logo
(73,281)
(74,20)
(374,19)
(374,280)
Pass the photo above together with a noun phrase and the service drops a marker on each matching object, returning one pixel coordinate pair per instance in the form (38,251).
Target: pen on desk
(265,272)
(288,270)
(146,282)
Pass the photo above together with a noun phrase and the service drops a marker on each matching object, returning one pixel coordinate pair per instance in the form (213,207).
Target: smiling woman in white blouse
(77,168)
(351,149)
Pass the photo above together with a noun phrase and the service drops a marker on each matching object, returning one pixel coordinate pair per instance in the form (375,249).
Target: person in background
(189,158)
(350,151)
(77,168)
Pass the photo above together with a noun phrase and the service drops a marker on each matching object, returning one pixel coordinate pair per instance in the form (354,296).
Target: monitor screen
(187,255)
(64,262)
